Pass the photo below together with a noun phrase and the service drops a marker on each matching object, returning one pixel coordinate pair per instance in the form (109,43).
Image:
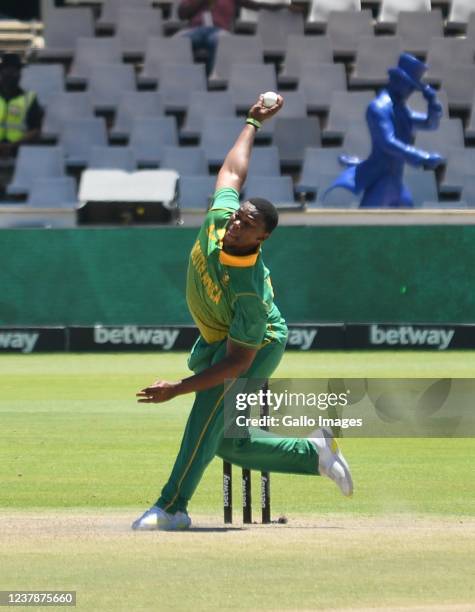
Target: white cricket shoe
(331,462)
(156,518)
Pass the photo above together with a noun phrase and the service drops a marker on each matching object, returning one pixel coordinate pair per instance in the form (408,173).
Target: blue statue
(392,124)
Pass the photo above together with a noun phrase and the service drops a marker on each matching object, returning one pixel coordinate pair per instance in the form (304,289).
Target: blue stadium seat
(317,83)
(62,27)
(135,26)
(57,192)
(47,80)
(65,106)
(34,162)
(277,189)
(218,136)
(187,161)
(319,164)
(149,137)
(132,104)
(78,136)
(206,103)
(293,135)
(107,82)
(161,51)
(196,192)
(112,158)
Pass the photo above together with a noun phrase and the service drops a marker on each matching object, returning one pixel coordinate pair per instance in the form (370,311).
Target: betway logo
(301,337)
(131,334)
(18,340)
(408,335)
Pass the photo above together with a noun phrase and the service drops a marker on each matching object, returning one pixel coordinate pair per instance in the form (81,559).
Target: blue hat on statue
(409,69)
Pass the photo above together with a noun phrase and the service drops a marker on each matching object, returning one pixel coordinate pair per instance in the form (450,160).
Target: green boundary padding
(137,275)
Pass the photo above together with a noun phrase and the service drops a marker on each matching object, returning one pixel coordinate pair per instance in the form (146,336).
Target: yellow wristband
(257,124)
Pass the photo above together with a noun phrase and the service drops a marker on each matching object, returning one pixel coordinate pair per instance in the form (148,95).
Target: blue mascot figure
(392,125)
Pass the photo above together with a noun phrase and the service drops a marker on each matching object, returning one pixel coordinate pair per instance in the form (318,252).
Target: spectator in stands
(392,125)
(209,19)
(20,113)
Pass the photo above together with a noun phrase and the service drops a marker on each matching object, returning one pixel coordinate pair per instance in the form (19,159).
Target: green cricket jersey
(228,295)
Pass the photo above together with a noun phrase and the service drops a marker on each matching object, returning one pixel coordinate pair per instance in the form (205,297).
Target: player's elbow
(240,364)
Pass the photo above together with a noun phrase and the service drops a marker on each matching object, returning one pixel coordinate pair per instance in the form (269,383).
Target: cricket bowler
(242,334)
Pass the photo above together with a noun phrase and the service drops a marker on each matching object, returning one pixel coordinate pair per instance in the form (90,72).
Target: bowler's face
(245,229)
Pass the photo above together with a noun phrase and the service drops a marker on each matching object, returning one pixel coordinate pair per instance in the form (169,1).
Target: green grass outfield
(79,459)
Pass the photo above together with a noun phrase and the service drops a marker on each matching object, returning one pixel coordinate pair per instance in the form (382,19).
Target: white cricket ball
(270,98)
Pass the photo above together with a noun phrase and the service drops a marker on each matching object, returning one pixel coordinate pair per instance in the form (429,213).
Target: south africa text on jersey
(199,263)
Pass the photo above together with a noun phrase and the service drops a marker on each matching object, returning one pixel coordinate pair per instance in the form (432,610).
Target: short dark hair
(268,211)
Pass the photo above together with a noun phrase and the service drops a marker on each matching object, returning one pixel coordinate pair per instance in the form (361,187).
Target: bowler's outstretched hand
(261,113)
(160,391)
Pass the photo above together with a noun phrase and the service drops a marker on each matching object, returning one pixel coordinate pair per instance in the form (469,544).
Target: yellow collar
(238,261)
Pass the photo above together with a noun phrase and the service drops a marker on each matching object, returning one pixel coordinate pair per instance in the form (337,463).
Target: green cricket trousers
(204,438)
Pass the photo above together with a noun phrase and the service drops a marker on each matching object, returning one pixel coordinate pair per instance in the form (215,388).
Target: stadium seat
(471,28)
(107,82)
(203,103)
(53,193)
(243,79)
(112,158)
(318,163)
(294,107)
(34,162)
(346,107)
(390,9)
(304,50)
(357,141)
(218,136)
(460,11)
(248,18)
(232,49)
(187,161)
(274,28)
(449,134)
(470,129)
(132,104)
(293,135)
(264,162)
(417,28)
(317,83)
(277,189)
(459,84)
(78,136)
(375,54)
(149,137)
(64,106)
(176,49)
(320,10)
(46,79)
(196,192)
(468,191)
(345,28)
(337,198)
(62,27)
(90,52)
(460,165)
(447,53)
(109,18)
(422,186)
(135,26)
(178,82)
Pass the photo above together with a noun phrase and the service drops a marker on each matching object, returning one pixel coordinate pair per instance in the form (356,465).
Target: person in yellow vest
(20,112)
